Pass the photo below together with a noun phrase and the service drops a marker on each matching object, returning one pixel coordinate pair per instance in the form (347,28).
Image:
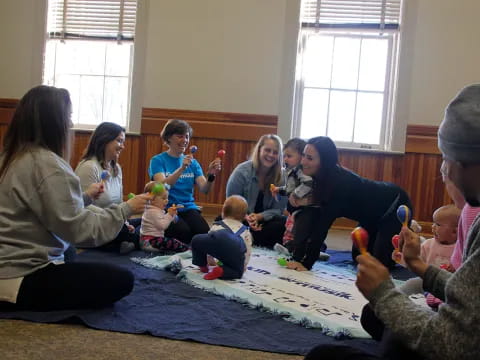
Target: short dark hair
(41,119)
(296,144)
(175,126)
(103,134)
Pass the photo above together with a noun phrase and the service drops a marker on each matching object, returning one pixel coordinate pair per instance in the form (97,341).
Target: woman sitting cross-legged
(42,211)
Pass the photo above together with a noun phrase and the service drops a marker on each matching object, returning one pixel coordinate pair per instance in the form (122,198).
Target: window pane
(72,84)
(340,118)
(373,64)
(314,113)
(318,61)
(91,100)
(368,120)
(345,63)
(49,63)
(115,108)
(118,59)
(80,57)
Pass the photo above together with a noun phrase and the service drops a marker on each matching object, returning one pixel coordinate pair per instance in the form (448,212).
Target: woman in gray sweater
(42,211)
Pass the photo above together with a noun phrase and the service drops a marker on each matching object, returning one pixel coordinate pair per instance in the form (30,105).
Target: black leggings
(72,286)
(189,224)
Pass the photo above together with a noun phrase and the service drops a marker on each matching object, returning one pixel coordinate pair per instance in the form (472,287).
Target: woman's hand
(138,202)
(187,160)
(95,190)
(215,166)
(295,265)
(371,273)
(254,221)
(410,247)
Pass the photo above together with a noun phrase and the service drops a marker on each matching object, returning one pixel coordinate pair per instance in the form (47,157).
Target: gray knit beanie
(459,132)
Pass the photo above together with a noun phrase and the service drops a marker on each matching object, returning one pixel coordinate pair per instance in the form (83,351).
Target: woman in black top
(338,192)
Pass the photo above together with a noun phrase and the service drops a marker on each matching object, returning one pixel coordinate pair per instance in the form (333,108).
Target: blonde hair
(274,174)
(450,213)
(235,207)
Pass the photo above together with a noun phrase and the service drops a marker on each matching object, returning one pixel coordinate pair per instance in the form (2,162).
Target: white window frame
(135,87)
(390,88)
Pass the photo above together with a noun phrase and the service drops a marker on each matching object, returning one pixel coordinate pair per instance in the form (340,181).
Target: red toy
(396,242)
(360,239)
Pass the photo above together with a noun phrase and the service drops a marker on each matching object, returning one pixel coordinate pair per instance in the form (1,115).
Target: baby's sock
(203,269)
(215,273)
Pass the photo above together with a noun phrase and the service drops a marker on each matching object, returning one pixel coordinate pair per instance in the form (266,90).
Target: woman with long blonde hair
(252,179)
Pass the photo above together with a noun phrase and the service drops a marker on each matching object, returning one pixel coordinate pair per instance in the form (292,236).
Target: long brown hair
(325,176)
(274,174)
(41,119)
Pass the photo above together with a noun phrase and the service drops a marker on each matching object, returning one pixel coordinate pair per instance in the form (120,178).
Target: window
(89,51)
(346,71)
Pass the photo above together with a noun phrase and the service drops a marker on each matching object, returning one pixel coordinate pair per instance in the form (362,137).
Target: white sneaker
(323,256)
(281,249)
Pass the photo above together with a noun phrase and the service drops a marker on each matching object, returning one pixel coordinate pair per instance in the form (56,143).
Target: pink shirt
(434,253)
(155,221)
(469,213)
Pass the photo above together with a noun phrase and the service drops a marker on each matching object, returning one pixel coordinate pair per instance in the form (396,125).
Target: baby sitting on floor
(154,223)
(229,241)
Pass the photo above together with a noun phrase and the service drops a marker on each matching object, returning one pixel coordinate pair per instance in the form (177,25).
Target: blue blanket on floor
(161,305)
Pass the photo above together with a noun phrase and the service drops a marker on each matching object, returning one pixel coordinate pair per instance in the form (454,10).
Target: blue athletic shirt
(180,193)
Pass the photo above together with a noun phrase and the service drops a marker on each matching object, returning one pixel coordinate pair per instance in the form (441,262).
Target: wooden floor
(21,340)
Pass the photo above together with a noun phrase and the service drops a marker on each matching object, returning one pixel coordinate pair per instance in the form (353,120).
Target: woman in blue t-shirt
(182,172)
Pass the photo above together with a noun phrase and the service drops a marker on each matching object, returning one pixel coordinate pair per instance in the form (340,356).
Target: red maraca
(220,154)
(396,245)
(360,239)
(396,242)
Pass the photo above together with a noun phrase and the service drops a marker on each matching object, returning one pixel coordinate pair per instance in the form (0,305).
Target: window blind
(372,14)
(92,19)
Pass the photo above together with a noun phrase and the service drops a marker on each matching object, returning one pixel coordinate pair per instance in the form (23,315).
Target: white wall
(222,55)
(238,56)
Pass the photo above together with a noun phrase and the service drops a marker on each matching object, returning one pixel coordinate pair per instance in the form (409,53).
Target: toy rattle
(193,149)
(173,210)
(104,175)
(360,239)
(396,245)
(220,154)
(157,189)
(404,215)
(272,190)
(396,242)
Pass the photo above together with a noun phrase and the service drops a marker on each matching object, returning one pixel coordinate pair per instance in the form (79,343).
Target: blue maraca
(404,214)
(104,175)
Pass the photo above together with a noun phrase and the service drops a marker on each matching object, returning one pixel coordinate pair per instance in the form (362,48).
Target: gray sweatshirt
(453,332)
(42,210)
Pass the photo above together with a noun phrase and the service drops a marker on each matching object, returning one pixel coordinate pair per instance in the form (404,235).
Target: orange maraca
(360,239)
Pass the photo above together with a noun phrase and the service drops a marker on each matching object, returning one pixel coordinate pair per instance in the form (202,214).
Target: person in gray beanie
(413,331)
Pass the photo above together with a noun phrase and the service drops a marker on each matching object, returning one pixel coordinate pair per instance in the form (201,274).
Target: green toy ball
(282,262)
(158,189)
(131,196)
